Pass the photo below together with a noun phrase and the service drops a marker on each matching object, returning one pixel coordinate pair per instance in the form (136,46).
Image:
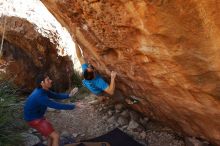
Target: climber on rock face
(93,81)
(36,106)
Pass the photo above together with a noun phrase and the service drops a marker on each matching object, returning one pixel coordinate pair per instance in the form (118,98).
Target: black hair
(88,75)
(40,78)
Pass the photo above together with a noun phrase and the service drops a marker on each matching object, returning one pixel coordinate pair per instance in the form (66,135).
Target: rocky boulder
(26,52)
(165,52)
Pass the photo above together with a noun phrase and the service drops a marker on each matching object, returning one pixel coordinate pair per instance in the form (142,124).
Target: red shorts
(42,125)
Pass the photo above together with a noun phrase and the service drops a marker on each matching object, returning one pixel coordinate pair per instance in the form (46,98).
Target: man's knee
(54,135)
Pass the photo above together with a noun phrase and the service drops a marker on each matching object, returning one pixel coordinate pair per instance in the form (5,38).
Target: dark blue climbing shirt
(37,103)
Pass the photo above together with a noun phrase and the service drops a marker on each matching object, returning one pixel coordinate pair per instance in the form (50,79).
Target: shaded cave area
(26,53)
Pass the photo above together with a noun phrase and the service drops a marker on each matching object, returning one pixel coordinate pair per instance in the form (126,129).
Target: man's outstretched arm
(55,95)
(79,54)
(111,89)
(44,100)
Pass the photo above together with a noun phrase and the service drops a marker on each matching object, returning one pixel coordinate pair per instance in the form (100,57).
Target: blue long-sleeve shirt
(37,103)
(96,85)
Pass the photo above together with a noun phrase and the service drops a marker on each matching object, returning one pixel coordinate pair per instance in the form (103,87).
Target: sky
(35,12)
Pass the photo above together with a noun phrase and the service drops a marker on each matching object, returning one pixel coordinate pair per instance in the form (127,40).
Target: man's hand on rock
(113,74)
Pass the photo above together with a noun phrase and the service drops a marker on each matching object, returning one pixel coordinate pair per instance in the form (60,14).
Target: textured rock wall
(26,52)
(164,51)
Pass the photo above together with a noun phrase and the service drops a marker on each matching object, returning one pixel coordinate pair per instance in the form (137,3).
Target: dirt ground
(91,121)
